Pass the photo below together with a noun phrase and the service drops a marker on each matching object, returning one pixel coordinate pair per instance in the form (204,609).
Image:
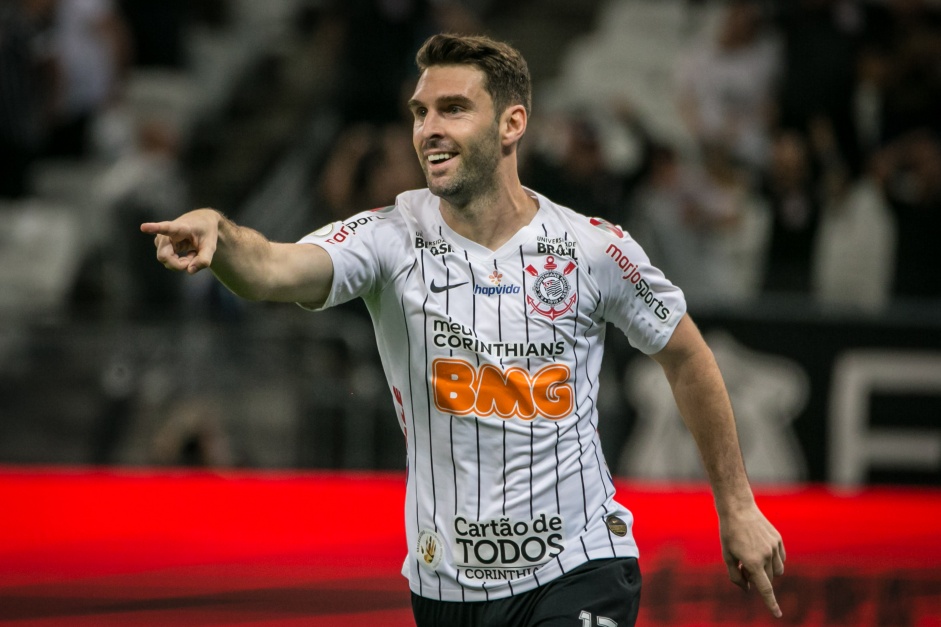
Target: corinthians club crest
(551,289)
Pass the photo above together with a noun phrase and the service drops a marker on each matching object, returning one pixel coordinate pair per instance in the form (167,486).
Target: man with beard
(490,303)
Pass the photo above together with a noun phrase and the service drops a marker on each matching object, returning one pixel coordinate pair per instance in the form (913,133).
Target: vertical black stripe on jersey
(523,296)
(470,267)
(558,431)
(558,438)
(431,453)
(477,433)
(529,365)
(447,310)
(453,465)
(496,270)
(578,418)
(412,471)
(584,546)
(447,279)
(457,579)
(606,478)
(428,392)
(504,468)
(599,455)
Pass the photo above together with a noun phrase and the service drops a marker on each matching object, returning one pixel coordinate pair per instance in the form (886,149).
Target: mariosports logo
(461,388)
(641,287)
(552,288)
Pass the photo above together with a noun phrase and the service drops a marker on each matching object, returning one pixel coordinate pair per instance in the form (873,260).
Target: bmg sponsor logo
(641,287)
(462,388)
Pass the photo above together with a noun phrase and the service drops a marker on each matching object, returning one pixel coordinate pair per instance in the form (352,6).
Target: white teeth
(440,157)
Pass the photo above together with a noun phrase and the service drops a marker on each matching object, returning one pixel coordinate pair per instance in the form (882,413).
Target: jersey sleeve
(357,247)
(637,298)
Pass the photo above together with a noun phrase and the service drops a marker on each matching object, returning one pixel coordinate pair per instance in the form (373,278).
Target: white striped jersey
(493,359)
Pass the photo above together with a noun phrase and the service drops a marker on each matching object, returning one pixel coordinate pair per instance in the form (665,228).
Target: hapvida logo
(497,290)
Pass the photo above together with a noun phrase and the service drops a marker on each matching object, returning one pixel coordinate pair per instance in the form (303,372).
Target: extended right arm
(243,259)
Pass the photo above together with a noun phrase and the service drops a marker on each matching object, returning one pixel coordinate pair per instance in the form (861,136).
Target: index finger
(160,228)
(761,582)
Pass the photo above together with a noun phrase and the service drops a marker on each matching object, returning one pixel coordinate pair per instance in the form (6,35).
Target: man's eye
(454,109)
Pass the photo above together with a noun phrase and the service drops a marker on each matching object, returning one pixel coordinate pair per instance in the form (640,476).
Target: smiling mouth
(440,157)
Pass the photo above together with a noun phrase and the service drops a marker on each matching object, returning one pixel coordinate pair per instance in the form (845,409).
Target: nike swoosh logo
(437,289)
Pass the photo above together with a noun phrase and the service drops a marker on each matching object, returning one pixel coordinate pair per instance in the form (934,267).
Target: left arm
(751,547)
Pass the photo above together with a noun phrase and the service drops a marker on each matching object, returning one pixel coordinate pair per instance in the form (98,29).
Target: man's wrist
(731,502)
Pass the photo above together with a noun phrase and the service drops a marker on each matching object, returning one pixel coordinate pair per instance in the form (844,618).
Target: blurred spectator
(913,91)
(367,168)
(194,435)
(820,43)
(157,31)
(570,167)
(793,198)
(25,77)
(655,215)
(913,164)
(703,225)
(854,251)
(378,43)
(725,86)
(145,185)
(588,157)
(872,75)
(91,45)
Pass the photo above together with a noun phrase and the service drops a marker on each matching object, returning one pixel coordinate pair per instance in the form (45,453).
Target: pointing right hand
(187,243)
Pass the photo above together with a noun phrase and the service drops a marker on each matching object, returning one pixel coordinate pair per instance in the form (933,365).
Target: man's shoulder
(583,226)
(378,222)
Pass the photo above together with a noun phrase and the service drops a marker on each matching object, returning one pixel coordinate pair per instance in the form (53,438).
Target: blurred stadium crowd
(762,151)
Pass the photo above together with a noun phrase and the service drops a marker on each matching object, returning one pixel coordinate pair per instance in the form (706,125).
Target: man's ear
(513,125)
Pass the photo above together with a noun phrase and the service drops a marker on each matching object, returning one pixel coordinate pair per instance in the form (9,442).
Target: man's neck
(492,219)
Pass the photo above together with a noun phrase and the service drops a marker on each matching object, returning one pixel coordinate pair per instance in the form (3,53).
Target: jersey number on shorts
(600,621)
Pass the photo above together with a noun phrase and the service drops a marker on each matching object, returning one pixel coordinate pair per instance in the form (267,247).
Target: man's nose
(431,125)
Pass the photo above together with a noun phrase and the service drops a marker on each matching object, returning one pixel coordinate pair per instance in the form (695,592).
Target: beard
(475,175)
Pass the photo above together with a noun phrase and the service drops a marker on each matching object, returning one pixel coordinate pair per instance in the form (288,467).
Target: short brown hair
(507,75)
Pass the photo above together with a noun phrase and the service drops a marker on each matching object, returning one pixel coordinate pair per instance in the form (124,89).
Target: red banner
(144,547)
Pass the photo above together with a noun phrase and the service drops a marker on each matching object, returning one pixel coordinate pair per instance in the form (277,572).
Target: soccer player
(489,303)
